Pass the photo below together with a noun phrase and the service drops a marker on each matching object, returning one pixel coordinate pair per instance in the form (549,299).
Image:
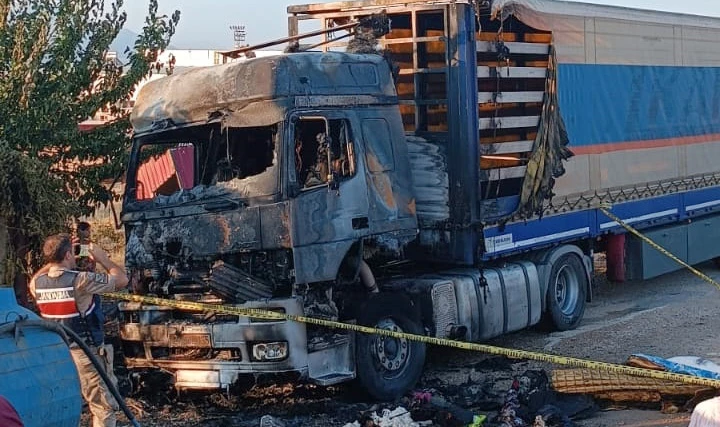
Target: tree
(53,75)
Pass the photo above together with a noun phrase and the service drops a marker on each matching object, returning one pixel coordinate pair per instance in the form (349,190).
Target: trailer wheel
(566,292)
(388,367)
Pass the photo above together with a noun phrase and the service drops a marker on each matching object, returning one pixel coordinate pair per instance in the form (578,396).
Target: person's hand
(97,253)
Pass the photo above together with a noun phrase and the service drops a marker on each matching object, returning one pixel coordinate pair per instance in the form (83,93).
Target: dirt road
(675,315)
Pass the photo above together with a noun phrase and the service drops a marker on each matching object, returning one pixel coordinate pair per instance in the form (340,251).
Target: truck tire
(566,292)
(387,367)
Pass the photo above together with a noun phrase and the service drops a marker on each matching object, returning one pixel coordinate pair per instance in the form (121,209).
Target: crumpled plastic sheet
(398,417)
(672,365)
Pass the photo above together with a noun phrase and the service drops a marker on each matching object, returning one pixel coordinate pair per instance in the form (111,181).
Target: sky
(205,24)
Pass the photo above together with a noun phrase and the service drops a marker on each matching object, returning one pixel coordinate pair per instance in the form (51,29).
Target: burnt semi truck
(449,186)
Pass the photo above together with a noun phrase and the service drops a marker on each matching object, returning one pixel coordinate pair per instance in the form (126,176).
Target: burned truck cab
(259,184)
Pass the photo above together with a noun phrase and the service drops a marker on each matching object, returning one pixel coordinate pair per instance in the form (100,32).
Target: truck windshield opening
(236,161)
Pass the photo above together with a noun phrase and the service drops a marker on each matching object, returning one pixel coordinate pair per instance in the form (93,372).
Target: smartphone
(82,251)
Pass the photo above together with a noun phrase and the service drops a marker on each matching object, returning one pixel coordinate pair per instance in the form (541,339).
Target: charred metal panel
(258,92)
(392,205)
(197,236)
(275,226)
(443,244)
(170,335)
(430,181)
(318,263)
(323,228)
(380,160)
(462,113)
(321,215)
(325,223)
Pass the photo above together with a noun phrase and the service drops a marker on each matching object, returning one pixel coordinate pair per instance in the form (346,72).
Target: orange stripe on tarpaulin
(641,145)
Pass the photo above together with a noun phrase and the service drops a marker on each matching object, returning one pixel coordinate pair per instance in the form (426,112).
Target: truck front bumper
(213,353)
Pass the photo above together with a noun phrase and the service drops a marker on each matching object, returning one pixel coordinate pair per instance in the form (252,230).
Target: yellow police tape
(662,250)
(483,348)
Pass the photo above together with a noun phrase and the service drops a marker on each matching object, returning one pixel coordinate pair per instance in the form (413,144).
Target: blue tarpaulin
(604,104)
(679,368)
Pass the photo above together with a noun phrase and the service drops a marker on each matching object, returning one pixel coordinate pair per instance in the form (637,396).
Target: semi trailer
(448,184)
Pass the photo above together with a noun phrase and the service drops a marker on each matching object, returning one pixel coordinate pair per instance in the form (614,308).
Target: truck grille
(234,285)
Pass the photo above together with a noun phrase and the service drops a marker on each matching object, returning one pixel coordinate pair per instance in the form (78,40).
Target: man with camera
(71,297)
(81,244)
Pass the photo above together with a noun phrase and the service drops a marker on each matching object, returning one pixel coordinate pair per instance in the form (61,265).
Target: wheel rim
(567,290)
(392,353)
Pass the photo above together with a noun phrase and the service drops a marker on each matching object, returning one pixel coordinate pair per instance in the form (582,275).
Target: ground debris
(398,417)
(530,402)
(270,421)
(138,407)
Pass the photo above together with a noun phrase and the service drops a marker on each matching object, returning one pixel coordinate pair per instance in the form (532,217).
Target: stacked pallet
(512,68)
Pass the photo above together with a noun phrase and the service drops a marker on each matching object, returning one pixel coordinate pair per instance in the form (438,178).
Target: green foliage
(54,75)
(28,189)
(109,238)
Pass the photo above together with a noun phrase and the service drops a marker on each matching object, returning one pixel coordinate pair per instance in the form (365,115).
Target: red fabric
(184,160)
(8,415)
(57,308)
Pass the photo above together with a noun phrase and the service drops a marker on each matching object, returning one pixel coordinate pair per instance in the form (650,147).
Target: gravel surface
(674,315)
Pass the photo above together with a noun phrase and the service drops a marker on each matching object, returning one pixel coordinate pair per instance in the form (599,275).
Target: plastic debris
(461,415)
(695,366)
(270,421)
(398,417)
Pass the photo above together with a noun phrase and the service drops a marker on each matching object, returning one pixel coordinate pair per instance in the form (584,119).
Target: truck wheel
(566,294)
(389,367)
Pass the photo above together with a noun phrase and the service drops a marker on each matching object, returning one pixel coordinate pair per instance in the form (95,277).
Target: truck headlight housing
(270,351)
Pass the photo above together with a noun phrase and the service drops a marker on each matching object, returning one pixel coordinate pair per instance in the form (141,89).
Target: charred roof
(258,91)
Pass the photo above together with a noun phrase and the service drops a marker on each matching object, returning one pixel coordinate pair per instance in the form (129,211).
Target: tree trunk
(20,247)
(4,273)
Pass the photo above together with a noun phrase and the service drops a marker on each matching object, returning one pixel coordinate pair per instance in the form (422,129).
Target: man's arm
(114,270)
